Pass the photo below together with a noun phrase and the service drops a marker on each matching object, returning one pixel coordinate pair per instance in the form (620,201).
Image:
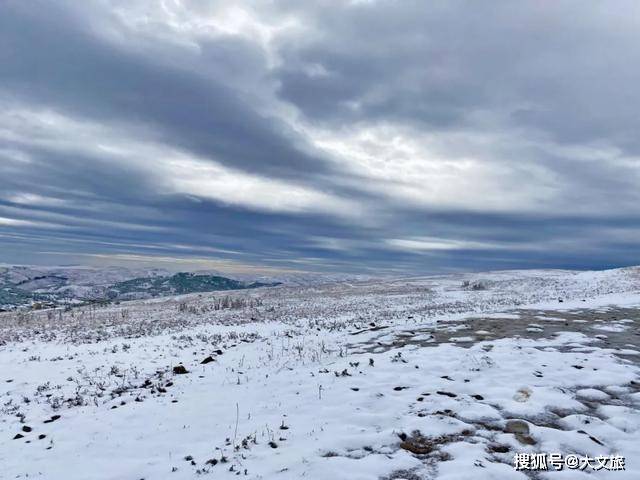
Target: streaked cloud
(334,135)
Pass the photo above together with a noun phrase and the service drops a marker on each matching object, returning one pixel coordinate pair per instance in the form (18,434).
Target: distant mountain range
(178,284)
(42,287)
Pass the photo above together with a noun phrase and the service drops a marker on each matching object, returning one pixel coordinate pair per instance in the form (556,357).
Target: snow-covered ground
(437,377)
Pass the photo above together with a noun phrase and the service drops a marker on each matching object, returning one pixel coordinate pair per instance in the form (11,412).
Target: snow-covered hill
(48,287)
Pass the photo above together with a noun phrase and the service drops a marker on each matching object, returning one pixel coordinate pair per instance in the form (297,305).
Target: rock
(477,397)
(209,359)
(179,370)
(416,447)
(525,439)
(417,444)
(520,430)
(517,426)
(522,395)
(52,419)
(26,429)
(447,394)
(42,436)
(18,436)
(497,448)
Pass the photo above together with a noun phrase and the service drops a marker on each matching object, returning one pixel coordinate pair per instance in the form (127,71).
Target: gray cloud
(63,64)
(333,135)
(567,68)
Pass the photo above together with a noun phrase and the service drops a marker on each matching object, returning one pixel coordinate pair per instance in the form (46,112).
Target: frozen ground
(397,379)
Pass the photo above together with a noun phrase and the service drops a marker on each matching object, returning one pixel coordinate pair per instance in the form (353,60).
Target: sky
(347,136)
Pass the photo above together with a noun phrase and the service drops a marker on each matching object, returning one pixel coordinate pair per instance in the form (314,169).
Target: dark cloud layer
(351,136)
